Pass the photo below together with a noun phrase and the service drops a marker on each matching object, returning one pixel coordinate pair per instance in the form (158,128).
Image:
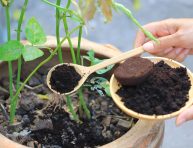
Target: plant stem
(69,40)
(15,98)
(128,13)
(58,2)
(9,62)
(18,38)
(21,19)
(65,10)
(67,34)
(83,103)
(70,107)
(81,98)
(78,48)
(10,80)
(68,4)
(8,23)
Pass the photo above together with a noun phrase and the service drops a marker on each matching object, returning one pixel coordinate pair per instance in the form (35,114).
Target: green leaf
(95,61)
(106,87)
(34,32)
(10,50)
(31,53)
(91,56)
(104,70)
(100,83)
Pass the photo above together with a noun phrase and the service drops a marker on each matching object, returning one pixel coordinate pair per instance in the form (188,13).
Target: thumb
(164,43)
(185,116)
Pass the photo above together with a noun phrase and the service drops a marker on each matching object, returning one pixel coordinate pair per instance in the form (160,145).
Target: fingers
(181,56)
(185,116)
(178,54)
(164,52)
(191,51)
(158,29)
(164,43)
(140,39)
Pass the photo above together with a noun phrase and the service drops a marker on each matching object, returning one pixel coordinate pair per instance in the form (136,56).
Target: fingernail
(181,121)
(148,46)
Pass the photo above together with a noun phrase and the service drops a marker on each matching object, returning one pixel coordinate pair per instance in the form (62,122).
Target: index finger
(158,29)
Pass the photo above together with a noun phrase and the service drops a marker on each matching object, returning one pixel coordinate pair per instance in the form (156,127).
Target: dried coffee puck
(133,71)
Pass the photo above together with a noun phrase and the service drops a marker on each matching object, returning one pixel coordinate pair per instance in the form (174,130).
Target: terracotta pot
(144,134)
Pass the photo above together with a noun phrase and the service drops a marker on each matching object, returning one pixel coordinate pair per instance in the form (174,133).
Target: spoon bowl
(83,71)
(115,85)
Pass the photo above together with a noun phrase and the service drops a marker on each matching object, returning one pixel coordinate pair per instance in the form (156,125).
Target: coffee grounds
(133,71)
(163,92)
(64,78)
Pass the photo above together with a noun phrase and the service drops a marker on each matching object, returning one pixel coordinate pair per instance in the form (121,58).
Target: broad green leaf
(88,9)
(10,50)
(106,7)
(31,53)
(34,32)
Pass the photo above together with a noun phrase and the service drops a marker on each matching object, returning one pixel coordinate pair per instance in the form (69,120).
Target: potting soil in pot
(64,78)
(164,91)
(45,121)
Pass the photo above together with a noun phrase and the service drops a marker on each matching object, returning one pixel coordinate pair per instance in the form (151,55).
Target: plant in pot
(34,116)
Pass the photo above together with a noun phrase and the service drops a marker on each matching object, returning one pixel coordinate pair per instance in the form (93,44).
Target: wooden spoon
(115,85)
(84,71)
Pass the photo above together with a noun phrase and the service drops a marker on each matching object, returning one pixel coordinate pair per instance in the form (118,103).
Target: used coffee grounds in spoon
(164,91)
(64,78)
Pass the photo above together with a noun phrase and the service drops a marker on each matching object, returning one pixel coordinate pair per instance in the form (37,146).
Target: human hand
(175,38)
(185,116)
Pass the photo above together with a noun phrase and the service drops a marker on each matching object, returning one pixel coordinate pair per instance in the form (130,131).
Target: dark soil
(64,78)
(47,123)
(68,134)
(163,92)
(133,71)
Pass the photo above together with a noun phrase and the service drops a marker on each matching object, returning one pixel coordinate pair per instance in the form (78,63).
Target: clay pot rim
(129,138)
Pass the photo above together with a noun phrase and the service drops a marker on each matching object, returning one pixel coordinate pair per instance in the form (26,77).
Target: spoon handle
(116,59)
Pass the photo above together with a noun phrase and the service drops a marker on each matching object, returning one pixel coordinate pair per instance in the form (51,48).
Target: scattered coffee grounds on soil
(163,92)
(64,78)
(60,131)
(69,134)
(133,71)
